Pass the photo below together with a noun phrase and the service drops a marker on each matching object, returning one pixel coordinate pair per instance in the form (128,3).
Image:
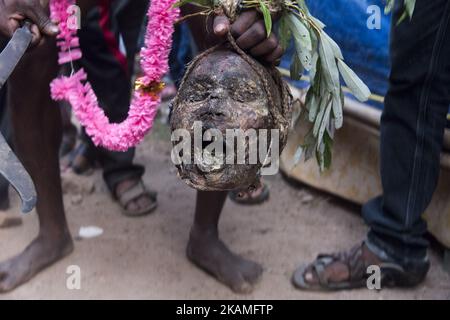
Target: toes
(242,288)
(234,279)
(242,275)
(3,271)
(251,271)
(5,282)
(216,259)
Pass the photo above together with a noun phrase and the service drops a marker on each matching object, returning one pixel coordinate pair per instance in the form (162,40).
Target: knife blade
(13,171)
(14,51)
(10,167)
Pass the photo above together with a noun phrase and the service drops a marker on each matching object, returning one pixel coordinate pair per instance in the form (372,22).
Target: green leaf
(302,40)
(313,106)
(296,68)
(329,66)
(331,128)
(389,6)
(324,123)
(314,41)
(320,157)
(409,9)
(315,67)
(337,123)
(284,32)
(410,6)
(328,152)
(402,18)
(354,83)
(336,50)
(302,5)
(317,22)
(337,109)
(322,108)
(267,17)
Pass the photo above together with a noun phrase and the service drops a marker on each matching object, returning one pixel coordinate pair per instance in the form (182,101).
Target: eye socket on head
(239,89)
(243,90)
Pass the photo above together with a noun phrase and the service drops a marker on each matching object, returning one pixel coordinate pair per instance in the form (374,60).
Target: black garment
(412,129)
(110,72)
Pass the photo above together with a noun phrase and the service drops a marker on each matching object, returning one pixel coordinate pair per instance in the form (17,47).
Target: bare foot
(40,253)
(213,256)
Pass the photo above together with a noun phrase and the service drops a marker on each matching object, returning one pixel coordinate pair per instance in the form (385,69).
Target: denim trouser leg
(412,128)
(181,53)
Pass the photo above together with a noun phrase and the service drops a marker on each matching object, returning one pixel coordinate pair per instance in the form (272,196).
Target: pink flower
(79,93)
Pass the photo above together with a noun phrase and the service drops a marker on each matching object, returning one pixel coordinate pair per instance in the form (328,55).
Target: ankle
(370,256)
(52,234)
(199,232)
(125,185)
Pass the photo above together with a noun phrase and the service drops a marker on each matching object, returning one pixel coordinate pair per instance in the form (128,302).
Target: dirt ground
(144,258)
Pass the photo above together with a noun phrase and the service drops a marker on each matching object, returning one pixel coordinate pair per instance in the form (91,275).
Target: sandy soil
(144,258)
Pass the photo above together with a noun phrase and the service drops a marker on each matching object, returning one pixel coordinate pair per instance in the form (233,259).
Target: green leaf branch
(317,53)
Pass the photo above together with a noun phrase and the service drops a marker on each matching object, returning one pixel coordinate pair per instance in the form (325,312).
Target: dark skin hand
(248,30)
(250,34)
(14,12)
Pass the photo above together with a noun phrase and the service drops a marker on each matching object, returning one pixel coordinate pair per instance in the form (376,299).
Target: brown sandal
(133,193)
(392,274)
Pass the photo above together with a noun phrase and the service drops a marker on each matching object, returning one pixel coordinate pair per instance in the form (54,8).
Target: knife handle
(26,24)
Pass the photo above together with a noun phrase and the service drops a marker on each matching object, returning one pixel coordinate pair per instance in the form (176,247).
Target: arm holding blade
(25,22)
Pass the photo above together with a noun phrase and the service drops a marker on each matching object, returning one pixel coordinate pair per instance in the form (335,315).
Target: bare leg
(208,252)
(37,125)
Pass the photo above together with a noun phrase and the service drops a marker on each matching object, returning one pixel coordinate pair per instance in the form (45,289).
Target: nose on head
(214,111)
(218,93)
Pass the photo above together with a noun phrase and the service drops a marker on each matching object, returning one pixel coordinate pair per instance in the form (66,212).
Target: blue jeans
(181,53)
(412,129)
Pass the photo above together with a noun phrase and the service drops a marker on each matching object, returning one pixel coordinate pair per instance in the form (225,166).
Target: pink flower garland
(79,93)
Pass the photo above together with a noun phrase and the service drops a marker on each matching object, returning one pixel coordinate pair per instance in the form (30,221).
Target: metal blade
(15,173)
(13,52)
(10,166)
